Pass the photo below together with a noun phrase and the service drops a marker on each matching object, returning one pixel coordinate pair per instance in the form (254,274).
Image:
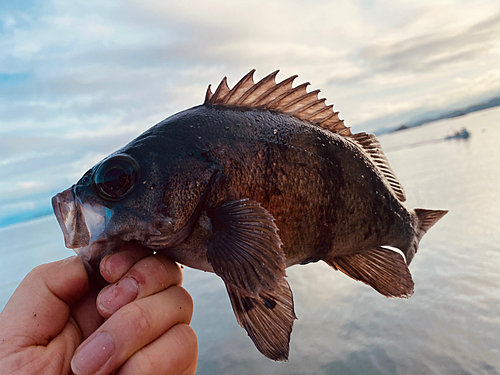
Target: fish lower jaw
(94,250)
(92,254)
(83,253)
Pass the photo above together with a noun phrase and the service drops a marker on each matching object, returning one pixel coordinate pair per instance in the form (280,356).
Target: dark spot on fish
(201,155)
(206,157)
(269,303)
(248,303)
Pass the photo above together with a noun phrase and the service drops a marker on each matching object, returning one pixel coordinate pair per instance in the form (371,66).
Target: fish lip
(68,215)
(84,225)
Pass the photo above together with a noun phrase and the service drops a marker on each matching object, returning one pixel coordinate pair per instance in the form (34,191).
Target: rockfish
(258,178)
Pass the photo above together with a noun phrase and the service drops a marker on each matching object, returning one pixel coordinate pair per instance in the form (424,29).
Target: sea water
(451,325)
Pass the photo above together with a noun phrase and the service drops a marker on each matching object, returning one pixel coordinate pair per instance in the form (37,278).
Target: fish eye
(116,177)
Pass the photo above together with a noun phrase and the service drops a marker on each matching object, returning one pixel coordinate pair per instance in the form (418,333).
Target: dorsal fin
(297,102)
(278,97)
(371,145)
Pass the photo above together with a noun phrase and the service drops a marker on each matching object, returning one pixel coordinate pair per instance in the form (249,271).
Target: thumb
(40,307)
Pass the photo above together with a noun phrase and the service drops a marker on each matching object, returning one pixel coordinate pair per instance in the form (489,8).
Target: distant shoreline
(491,103)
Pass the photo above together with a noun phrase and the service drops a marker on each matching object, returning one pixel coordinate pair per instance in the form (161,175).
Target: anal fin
(382,269)
(267,318)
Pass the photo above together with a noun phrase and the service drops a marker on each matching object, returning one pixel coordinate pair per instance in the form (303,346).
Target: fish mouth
(81,223)
(83,227)
(71,219)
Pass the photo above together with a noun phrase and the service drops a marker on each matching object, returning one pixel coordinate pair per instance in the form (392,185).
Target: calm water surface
(450,326)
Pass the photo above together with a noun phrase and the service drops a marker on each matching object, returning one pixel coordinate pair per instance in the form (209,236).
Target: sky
(79,79)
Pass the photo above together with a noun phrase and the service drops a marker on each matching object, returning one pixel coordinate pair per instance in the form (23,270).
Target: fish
(258,178)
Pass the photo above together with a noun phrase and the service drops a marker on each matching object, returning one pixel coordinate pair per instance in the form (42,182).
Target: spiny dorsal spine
(278,97)
(297,102)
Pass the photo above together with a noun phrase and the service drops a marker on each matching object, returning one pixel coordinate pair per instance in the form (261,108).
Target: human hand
(53,324)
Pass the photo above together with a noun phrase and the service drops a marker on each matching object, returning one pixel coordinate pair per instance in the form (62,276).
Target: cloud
(132,61)
(79,79)
(430,51)
(9,209)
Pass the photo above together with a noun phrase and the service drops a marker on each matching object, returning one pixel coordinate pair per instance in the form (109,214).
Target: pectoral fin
(245,251)
(382,269)
(267,318)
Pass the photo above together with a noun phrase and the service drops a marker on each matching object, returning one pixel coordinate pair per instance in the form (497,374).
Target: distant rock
(402,127)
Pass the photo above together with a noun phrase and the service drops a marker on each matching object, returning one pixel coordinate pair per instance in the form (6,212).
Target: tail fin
(425,220)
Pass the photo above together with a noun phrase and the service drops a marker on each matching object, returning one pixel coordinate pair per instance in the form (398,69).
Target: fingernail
(93,355)
(118,295)
(116,264)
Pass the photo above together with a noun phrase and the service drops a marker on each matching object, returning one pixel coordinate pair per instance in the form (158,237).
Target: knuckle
(40,270)
(187,337)
(39,273)
(169,269)
(166,260)
(147,362)
(187,340)
(138,318)
(157,270)
(185,301)
(183,295)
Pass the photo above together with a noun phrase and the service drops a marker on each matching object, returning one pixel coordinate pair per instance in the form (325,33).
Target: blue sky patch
(15,78)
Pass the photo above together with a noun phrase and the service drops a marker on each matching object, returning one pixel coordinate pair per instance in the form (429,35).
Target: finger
(131,328)
(40,305)
(148,276)
(61,349)
(175,352)
(114,266)
(86,314)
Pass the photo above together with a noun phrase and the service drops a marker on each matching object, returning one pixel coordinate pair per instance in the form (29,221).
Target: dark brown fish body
(326,196)
(255,180)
